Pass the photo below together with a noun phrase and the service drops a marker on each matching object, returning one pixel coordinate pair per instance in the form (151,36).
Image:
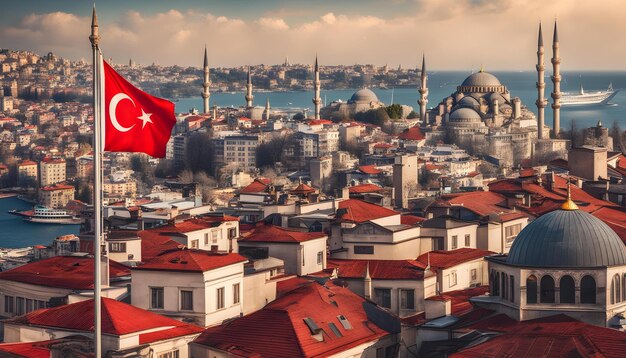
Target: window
(467,241)
(8,304)
(531,289)
(407,299)
(19,306)
(220,298)
(437,243)
(117,247)
(473,274)
(156,297)
(29,305)
(512,288)
(504,281)
(194,244)
(510,233)
(455,242)
(232,233)
(547,289)
(616,292)
(320,257)
(40,304)
(206,238)
(588,290)
(383,297)
(186,300)
(364,250)
(215,235)
(170,354)
(236,293)
(452,278)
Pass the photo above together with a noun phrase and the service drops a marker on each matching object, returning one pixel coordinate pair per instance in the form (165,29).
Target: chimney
(140,223)
(173,212)
(437,307)
(367,283)
(345,193)
(517,107)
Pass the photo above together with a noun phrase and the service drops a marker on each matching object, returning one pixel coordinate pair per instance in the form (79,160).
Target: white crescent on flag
(113,106)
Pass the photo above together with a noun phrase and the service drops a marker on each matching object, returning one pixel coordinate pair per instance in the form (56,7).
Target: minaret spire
(207,82)
(556,80)
(423,90)
(541,85)
(267,109)
(95,36)
(249,96)
(316,99)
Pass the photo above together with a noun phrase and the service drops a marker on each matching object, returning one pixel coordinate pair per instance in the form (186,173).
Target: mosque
(361,101)
(566,261)
(482,116)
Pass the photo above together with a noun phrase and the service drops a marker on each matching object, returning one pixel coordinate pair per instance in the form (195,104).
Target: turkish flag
(134,120)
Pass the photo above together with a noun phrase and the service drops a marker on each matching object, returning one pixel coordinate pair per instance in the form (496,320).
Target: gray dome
(464,115)
(468,101)
(364,96)
(498,96)
(481,79)
(567,238)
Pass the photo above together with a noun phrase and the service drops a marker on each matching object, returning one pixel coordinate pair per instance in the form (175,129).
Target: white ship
(44,215)
(588,98)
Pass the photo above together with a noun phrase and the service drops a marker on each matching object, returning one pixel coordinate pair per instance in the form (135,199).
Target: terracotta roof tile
(365,188)
(270,233)
(444,259)
(369,169)
(359,211)
(413,133)
(259,185)
(190,260)
(379,269)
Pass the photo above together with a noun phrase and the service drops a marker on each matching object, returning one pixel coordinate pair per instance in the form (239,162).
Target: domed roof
(567,238)
(481,79)
(364,95)
(465,114)
(467,101)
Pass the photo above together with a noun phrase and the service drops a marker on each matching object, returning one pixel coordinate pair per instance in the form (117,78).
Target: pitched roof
(480,202)
(444,259)
(379,269)
(413,133)
(27,350)
(365,188)
(302,189)
(69,272)
(256,334)
(411,219)
(369,169)
(154,242)
(460,299)
(191,261)
(257,186)
(358,211)
(115,318)
(553,336)
(270,233)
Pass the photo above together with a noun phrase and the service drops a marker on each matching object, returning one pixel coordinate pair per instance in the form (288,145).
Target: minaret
(541,85)
(367,282)
(316,99)
(207,82)
(249,96)
(267,109)
(423,92)
(556,79)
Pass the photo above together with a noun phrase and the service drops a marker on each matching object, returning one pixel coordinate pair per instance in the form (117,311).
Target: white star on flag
(145,117)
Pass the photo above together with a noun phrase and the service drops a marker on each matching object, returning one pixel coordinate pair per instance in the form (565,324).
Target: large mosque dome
(567,238)
(363,96)
(465,117)
(481,79)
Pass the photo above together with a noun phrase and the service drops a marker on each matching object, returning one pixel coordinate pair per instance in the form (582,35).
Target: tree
(394,111)
(199,153)
(617,134)
(298,116)
(374,116)
(413,115)
(273,151)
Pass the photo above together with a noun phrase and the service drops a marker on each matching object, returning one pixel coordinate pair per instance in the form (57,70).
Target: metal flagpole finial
(94,38)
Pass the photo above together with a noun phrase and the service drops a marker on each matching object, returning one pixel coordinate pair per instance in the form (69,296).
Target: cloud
(454,34)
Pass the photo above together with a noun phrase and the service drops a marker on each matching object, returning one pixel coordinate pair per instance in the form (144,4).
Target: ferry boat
(588,98)
(43,215)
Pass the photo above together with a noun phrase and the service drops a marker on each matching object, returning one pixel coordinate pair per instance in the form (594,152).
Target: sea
(442,84)
(15,233)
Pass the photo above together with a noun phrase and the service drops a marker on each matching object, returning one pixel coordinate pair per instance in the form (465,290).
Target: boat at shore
(583,98)
(43,215)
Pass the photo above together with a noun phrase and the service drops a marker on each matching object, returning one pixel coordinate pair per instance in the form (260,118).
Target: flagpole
(97,161)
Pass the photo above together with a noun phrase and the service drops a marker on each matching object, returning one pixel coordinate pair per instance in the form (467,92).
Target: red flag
(134,120)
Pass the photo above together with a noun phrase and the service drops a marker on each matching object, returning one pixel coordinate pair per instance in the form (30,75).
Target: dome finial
(569,203)
(482,69)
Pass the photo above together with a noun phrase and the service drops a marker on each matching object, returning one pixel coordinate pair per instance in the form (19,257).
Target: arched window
(496,291)
(512,288)
(531,289)
(567,289)
(616,292)
(503,280)
(547,289)
(588,290)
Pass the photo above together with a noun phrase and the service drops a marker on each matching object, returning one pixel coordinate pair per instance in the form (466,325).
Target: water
(16,233)
(442,84)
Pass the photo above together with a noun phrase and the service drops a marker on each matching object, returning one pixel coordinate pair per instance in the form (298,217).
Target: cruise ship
(43,215)
(588,98)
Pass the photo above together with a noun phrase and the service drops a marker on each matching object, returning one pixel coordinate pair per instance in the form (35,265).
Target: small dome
(481,79)
(468,101)
(567,238)
(498,96)
(364,95)
(465,115)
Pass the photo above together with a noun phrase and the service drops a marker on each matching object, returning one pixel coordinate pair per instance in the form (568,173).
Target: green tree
(413,115)
(394,111)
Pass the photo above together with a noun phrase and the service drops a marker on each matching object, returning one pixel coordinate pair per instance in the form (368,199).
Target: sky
(453,34)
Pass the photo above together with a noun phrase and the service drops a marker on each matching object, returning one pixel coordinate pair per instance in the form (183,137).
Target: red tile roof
(480,202)
(190,261)
(69,272)
(285,286)
(320,121)
(29,349)
(459,299)
(369,169)
(259,185)
(270,233)
(411,219)
(49,160)
(359,211)
(257,333)
(553,336)
(365,188)
(413,133)
(444,259)
(25,163)
(57,187)
(302,189)
(115,318)
(218,219)
(383,145)
(154,242)
(379,269)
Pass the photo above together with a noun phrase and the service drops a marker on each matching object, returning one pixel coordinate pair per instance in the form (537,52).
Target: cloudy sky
(454,34)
